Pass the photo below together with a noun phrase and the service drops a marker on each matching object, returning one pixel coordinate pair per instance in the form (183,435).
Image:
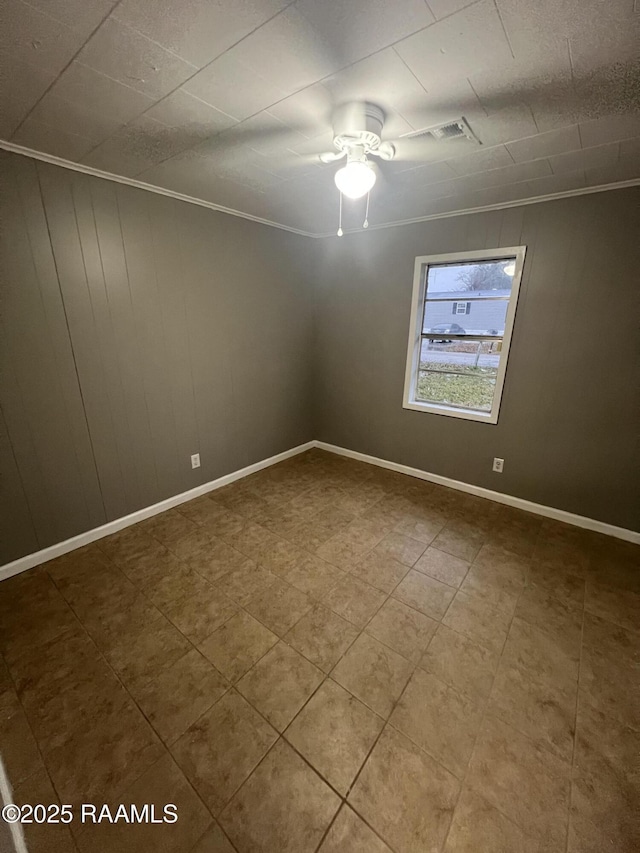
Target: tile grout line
(485,713)
(361,630)
(575,727)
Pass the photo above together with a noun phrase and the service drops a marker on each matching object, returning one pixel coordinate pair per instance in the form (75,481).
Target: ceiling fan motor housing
(358,124)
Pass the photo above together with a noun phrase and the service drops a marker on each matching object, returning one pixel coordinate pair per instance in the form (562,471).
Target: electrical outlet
(195,460)
(498,464)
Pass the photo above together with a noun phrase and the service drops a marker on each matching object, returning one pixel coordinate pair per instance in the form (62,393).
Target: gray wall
(568,426)
(137,330)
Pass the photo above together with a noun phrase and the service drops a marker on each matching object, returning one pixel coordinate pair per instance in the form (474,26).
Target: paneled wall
(137,330)
(570,416)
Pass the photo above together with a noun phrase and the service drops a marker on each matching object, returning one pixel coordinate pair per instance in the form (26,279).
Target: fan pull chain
(365,224)
(340,231)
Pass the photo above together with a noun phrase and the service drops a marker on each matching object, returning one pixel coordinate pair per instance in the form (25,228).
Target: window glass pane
(483,316)
(470,278)
(475,358)
(465,392)
(483,287)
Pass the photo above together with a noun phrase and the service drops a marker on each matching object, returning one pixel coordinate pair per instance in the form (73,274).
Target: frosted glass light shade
(355,179)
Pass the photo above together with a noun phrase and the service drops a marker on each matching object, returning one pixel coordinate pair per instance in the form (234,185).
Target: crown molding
(141,185)
(634,182)
(132,182)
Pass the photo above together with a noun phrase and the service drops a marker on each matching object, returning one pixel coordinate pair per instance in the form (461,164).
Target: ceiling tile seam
(571,66)
(132,182)
(443,18)
(168,94)
(473,89)
(68,65)
(253,115)
(504,29)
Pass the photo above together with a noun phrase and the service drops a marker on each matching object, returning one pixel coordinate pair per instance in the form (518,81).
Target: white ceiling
(229,101)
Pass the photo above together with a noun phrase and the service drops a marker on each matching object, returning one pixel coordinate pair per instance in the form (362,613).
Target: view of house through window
(464,316)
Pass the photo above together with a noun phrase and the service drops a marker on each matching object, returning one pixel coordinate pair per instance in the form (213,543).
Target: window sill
(452,412)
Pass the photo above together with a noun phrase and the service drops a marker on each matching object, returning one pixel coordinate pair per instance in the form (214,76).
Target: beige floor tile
(402,548)
(350,833)
(199,615)
(178,583)
(162,784)
(362,572)
(403,629)
(246,581)
(313,576)
(279,684)
(425,594)
(610,669)
(540,654)
(620,606)
(442,566)
(219,751)
(479,621)
(168,527)
(492,585)
(604,817)
(423,525)
(334,732)
(460,663)
(462,541)
(354,600)
(18,747)
(41,837)
(478,826)
(558,581)
(405,795)
(606,789)
(220,560)
(280,606)
(523,780)
(213,841)
(283,807)
(561,618)
(540,709)
(322,637)
(373,673)
(380,571)
(237,645)
(140,656)
(105,758)
(178,696)
(439,719)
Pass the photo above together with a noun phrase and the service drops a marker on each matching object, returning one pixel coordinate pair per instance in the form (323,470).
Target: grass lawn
(472,391)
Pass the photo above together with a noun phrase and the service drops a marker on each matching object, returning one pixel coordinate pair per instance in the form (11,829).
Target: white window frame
(458,311)
(421,270)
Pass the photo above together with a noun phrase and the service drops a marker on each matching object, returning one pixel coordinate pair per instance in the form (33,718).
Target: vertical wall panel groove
(138,330)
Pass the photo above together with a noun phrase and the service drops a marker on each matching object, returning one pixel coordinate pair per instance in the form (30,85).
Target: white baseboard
(31,560)
(500,497)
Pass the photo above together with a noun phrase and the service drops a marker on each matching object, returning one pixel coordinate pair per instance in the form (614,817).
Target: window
(462,317)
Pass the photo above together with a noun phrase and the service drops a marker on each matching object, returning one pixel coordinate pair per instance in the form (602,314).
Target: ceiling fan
(357,129)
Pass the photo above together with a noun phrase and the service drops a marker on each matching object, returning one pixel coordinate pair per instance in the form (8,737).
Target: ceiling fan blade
(331,156)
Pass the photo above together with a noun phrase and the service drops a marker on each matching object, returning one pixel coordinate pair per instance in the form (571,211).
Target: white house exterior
(476,311)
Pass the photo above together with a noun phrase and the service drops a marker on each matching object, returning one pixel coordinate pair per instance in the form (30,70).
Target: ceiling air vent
(458,129)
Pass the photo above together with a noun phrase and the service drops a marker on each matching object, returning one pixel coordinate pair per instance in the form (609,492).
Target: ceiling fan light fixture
(355,179)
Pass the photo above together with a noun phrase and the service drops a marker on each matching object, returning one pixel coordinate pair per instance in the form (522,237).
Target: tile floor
(329,656)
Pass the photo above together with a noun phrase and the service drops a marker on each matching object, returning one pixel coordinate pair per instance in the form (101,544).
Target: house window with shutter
(463,312)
